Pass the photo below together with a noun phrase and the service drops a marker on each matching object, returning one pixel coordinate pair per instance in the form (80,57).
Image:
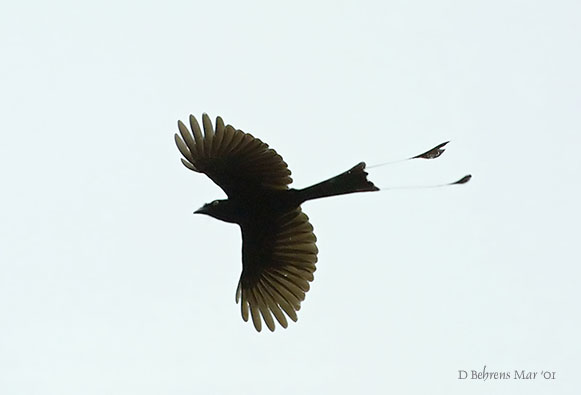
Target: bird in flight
(278,244)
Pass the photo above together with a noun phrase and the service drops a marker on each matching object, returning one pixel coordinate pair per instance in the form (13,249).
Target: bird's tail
(353,180)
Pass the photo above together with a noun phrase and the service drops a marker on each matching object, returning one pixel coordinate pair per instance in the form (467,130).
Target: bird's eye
(215,203)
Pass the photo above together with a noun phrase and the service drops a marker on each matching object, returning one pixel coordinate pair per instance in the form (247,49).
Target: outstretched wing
(236,161)
(278,259)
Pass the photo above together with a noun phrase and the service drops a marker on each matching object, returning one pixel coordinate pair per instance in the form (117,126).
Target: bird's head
(223,210)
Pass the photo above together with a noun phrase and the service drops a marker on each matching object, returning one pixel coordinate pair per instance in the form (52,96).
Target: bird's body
(278,243)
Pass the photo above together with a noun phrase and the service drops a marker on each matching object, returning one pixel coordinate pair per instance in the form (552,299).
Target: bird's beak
(201,210)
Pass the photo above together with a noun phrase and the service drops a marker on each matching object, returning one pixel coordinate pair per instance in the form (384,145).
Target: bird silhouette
(278,244)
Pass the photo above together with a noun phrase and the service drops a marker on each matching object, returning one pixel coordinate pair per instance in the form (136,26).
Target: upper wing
(238,162)
(278,259)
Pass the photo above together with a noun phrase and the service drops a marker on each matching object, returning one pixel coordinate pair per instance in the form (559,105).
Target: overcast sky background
(109,284)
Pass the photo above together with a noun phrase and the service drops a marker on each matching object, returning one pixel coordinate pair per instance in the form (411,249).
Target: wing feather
(218,138)
(208,134)
(272,306)
(278,265)
(199,139)
(188,164)
(184,149)
(238,162)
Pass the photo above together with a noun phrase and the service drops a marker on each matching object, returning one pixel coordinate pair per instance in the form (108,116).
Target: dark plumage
(278,243)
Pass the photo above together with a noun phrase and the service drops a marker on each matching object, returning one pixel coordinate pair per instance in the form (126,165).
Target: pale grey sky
(109,284)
